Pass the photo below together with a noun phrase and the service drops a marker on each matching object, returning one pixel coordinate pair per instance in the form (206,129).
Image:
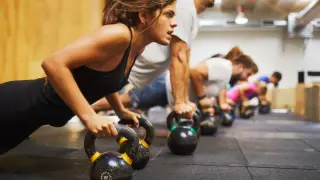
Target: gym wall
(312,59)
(31,30)
(271,49)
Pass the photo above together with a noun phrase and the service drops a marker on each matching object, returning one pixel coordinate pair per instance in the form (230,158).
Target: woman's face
(162,28)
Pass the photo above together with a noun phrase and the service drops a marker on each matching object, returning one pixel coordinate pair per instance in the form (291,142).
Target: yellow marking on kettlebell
(122,140)
(126,158)
(145,144)
(95,157)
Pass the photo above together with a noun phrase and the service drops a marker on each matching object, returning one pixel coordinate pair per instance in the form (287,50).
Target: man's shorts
(154,94)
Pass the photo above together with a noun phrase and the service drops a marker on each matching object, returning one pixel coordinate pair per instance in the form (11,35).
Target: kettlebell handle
(228,115)
(198,113)
(217,109)
(130,153)
(150,132)
(173,115)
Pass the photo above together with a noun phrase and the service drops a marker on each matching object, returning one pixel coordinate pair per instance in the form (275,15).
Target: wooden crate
(300,99)
(311,104)
(283,98)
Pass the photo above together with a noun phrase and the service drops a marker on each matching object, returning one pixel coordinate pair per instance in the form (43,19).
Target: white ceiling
(283,6)
(255,9)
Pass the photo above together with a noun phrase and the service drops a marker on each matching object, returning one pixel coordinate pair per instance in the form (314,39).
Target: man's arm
(179,73)
(186,78)
(223,97)
(198,75)
(178,69)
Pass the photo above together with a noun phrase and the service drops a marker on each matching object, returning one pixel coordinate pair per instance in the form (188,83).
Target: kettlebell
(142,157)
(182,140)
(217,110)
(112,165)
(228,117)
(198,113)
(209,124)
(189,123)
(264,108)
(247,112)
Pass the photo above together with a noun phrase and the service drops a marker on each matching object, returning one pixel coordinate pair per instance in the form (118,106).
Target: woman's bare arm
(242,91)
(95,47)
(115,102)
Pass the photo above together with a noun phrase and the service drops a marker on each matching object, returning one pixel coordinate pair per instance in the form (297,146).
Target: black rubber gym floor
(271,147)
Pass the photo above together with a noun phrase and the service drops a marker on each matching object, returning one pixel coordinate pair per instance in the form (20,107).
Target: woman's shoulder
(118,33)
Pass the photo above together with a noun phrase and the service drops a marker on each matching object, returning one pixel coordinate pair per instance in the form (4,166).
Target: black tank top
(94,85)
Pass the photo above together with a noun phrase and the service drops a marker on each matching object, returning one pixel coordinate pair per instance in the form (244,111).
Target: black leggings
(14,126)
(11,135)
(19,117)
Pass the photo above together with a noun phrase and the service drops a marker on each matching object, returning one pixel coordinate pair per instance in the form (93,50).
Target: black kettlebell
(112,165)
(217,110)
(264,108)
(228,117)
(247,112)
(209,124)
(189,123)
(182,140)
(198,113)
(142,157)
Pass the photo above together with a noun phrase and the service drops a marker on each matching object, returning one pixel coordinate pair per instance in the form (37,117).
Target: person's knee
(152,95)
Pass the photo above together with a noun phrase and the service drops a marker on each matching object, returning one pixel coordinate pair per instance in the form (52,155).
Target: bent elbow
(45,65)
(50,66)
(181,55)
(193,72)
(195,75)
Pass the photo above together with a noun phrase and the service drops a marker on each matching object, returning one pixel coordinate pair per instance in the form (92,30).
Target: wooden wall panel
(33,29)
(284,98)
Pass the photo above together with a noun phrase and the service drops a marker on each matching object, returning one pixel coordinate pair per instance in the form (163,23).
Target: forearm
(177,78)
(186,78)
(64,84)
(115,102)
(100,105)
(243,98)
(222,97)
(262,97)
(197,82)
(186,84)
